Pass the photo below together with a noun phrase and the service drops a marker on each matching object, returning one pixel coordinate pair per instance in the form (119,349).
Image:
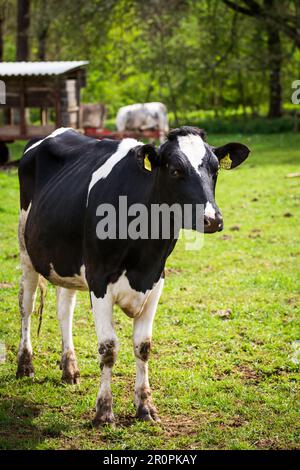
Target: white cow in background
(143,116)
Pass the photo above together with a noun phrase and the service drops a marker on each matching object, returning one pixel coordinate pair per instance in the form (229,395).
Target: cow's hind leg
(27,293)
(108,349)
(66,300)
(142,343)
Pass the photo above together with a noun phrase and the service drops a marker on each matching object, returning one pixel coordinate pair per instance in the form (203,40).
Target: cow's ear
(148,157)
(231,155)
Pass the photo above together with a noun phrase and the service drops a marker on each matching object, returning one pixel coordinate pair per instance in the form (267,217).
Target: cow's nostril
(206,222)
(220,224)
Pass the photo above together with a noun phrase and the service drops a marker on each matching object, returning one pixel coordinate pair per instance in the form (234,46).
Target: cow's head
(188,170)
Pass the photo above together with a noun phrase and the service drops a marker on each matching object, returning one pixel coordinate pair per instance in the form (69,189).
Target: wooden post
(22,109)
(44,116)
(57,105)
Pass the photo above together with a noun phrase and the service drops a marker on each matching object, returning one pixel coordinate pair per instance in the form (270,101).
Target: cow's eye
(175,172)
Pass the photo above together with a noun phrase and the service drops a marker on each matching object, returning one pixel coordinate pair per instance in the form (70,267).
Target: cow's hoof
(104,413)
(71,378)
(106,418)
(71,374)
(147,413)
(25,366)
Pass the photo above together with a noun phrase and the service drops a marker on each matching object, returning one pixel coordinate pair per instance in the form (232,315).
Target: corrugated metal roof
(8,69)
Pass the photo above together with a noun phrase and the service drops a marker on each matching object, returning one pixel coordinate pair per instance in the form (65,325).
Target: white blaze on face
(194,149)
(209,210)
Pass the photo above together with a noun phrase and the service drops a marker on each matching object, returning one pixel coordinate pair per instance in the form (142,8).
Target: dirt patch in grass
(236,422)
(182,425)
(226,237)
(173,271)
(273,444)
(223,314)
(6,285)
(248,375)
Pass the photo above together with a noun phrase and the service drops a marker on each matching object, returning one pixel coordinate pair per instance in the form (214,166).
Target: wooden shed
(39,97)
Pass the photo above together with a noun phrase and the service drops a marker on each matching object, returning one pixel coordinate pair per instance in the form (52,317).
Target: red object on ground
(101,133)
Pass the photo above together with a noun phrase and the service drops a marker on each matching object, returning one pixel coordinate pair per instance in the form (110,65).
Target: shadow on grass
(17,427)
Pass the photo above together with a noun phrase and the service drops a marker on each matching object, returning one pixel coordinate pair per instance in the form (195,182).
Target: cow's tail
(43,292)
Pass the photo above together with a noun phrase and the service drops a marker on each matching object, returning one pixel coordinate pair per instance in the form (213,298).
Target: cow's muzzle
(212,225)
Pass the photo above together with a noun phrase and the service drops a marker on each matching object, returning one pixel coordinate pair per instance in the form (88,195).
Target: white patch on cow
(78,281)
(28,286)
(21,229)
(55,133)
(24,256)
(66,301)
(124,147)
(194,148)
(130,300)
(143,332)
(102,311)
(209,210)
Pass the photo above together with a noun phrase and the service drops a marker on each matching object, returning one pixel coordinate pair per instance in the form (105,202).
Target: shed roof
(8,69)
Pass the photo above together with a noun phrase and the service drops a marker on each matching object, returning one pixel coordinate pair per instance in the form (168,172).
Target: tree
(275,63)
(1,36)
(23,22)
(264,13)
(43,25)
(3,15)
(283,15)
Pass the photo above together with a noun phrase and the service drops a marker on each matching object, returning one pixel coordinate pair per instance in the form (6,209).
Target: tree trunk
(275,63)
(275,98)
(42,40)
(23,20)
(43,28)
(1,39)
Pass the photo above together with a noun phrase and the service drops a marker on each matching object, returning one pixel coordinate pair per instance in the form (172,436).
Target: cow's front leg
(142,343)
(108,349)
(66,300)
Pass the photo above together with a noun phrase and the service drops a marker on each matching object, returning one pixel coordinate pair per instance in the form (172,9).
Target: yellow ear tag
(147,163)
(226,162)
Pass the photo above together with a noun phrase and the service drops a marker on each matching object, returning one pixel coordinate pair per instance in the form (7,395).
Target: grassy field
(224,368)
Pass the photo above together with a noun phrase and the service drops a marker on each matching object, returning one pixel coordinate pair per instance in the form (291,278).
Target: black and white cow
(63,179)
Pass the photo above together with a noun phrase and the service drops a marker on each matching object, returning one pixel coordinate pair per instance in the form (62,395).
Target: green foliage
(192,55)
(240,124)
(218,382)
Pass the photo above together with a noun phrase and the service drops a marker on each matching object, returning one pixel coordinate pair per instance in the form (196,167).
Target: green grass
(228,121)
(219,383)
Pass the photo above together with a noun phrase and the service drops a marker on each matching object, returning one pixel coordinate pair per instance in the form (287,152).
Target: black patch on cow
(237,153)
(186,130)
(150,152)
(144,350)
(108,353)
